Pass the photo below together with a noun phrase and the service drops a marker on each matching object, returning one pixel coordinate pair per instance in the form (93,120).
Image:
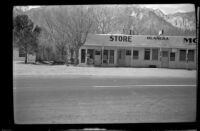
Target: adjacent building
(19,55)
(120,50)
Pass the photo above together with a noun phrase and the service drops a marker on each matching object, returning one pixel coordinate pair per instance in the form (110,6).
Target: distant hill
(143,21)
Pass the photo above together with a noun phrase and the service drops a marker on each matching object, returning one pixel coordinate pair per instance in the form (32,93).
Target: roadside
(20,69)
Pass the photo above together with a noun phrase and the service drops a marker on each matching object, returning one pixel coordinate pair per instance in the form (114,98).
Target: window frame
(129,53)
(111,57)
(83,56)
(97,52)
(135,57)
(192,57)
(180,55)
(145,51)
(153,53)
(170,57)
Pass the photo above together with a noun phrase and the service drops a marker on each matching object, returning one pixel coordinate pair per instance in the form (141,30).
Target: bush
(58,63)
(152,66)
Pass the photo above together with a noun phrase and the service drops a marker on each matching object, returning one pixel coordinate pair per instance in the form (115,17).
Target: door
(128,58)
(90,56)
(191,59)
(121,57)
(165,59)
(105,57)
(97,57)
(83,52)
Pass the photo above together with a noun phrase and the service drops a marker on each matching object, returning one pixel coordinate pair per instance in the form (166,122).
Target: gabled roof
(140,41)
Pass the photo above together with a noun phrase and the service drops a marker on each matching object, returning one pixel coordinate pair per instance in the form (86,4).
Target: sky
(171,8)
(165,8)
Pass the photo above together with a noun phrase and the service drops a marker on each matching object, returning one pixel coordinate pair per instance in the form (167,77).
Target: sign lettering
(120,38)
(190,40)
(157,38)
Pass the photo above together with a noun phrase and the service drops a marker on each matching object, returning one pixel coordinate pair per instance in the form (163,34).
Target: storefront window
(111,60)
(82,55)
(128,52)
(182,55)
(119,54)
(97,52)
(147,54)
(154,54)
(91,53)
(135,54)
(164,53)
(105,56)
(90,56)
(190,55)
(172,56)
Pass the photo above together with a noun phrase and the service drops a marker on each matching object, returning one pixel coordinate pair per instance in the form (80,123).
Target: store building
(139,51)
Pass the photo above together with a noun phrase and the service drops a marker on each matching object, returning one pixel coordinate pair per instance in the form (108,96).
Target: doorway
(165,59)
(128,58)
(121,57)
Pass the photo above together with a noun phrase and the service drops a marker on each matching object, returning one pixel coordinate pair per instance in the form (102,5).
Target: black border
(7,105)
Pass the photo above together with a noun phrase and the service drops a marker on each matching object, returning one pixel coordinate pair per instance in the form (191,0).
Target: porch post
(186,58)
(115,57)
(79,56)
(102,55)
(132,56)
(86,55)
(160,57)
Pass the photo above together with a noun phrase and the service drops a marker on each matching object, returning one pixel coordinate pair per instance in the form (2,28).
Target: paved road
(103,100)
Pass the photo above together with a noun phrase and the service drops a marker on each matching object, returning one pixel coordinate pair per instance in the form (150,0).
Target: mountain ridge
(142,20)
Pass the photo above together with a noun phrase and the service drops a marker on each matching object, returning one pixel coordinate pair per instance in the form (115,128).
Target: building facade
(139,51)
(19,55)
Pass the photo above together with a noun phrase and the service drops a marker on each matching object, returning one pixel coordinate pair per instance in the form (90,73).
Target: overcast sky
(171,8)
(165,8)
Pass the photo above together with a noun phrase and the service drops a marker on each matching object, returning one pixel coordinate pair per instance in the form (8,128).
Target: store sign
(120,38)
(157,38)
(190,40)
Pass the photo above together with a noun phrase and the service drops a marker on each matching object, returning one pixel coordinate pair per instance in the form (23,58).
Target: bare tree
(103,19)
(58,38)
(77,23)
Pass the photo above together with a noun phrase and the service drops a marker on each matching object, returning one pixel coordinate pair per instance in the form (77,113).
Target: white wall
(140,62)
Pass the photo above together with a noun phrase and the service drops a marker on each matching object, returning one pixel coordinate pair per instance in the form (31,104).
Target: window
(172,56)
(111,60)
(97,52)
(147,54)
(119,54)
(82,55)
(128,52)
(21,52)
(154,54)
(190,55)
(164,53)
(91,53)
(182,55)
(105,56)
(135,54)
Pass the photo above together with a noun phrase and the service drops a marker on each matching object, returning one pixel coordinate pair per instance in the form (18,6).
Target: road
(103,100)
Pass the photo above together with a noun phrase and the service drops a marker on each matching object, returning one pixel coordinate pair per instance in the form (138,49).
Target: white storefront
(139,51)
